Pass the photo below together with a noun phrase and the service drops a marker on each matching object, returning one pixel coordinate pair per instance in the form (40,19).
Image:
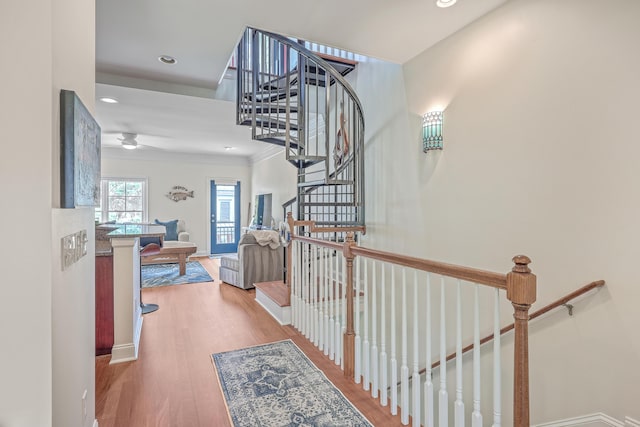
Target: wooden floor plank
(173,382)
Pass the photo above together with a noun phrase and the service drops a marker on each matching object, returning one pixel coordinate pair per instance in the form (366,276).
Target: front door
(225,217)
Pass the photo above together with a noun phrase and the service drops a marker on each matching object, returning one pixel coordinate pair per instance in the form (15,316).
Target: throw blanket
(267,237)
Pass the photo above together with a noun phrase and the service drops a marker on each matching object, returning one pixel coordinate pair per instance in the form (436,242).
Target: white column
(127,314)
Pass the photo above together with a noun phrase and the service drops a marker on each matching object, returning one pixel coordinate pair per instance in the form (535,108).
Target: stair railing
(344,299)
(292,97)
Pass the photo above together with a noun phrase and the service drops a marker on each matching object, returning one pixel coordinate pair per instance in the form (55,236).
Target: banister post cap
(348,243)
(521,264)
(521,283)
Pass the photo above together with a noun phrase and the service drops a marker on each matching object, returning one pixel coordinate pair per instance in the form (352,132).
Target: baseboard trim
(584,420)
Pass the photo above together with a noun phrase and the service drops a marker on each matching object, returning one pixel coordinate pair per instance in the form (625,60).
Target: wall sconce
(432,131)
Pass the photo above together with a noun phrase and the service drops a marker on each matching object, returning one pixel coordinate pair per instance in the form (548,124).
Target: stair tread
(276,290)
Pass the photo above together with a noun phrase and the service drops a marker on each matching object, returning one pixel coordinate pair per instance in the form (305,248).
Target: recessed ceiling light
(109,100)
(445,3)
(166,59)
(228,148)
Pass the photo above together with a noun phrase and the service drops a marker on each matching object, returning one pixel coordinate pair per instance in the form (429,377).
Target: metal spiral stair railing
(292,97)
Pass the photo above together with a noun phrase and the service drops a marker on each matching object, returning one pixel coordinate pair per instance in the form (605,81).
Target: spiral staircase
(294,98)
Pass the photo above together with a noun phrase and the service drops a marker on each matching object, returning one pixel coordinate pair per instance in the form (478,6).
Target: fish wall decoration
(178,193)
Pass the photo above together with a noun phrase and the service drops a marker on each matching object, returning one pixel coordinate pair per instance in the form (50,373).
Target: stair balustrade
(380,316)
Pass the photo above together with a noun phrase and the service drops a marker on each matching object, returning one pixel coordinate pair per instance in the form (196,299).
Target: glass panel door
(225,217)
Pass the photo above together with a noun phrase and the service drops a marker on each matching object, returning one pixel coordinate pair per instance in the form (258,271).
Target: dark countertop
(137,230)
(104,234)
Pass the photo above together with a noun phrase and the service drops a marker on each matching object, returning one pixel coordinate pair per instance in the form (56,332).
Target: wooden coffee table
(172,252)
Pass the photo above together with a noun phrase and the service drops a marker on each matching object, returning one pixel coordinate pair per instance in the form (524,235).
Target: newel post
(521,291)
(350,335)
(289,250)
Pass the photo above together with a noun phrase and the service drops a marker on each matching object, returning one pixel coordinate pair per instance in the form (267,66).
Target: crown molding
(117,153)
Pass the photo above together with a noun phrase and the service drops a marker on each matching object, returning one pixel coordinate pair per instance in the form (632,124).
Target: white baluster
(415,380)
(356,327)
(476,415)
(316,298)
(296,285)
(404,369)
(374,334)
(321,261)
(302,288)
(312,296)
(325,327)
(443,396)
(331,297)
(428,383)
(394,360)
(317,284)
(384,369)
(365,344)
(459,404)
(338,325)
(497,392)
(307,294)
(343,304)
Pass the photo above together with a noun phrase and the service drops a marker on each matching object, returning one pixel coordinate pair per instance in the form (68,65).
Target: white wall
(47,351)
(540,157)
(276,176)
(163,172)
(25,168)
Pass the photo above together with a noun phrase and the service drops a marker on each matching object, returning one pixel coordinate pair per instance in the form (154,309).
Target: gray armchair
(254,263)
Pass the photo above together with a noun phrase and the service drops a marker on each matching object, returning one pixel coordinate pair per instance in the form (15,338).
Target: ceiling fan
(128,140)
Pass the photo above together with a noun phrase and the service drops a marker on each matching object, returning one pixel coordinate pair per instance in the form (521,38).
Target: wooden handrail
(538,313)
(483,277)
(315,229)
(475,275)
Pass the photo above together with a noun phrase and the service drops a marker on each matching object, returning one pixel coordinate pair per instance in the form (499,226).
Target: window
(225,211)
(122,200)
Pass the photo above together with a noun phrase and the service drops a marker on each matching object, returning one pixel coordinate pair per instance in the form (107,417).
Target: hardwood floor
(173,382)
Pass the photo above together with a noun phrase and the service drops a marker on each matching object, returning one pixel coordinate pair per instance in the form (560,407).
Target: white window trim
(145,193)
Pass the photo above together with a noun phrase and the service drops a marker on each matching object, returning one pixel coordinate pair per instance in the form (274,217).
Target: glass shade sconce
(432,131)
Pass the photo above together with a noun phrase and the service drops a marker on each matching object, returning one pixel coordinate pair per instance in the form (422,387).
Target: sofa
(260,258)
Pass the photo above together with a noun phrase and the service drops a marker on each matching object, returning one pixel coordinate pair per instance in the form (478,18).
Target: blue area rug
(169,274)
(277,385)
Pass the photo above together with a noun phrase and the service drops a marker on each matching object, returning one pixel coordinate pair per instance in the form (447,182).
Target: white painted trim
(630,422)
(281,314)
(118,153)
(584,420)
(127,352)
(123,353)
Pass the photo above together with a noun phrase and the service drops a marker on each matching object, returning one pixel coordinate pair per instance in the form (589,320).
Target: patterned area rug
(169,274)
(277,385)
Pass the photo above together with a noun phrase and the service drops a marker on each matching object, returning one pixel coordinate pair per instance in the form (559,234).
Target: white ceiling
(202,34)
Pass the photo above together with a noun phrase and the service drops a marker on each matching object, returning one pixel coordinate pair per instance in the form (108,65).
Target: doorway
(225,217)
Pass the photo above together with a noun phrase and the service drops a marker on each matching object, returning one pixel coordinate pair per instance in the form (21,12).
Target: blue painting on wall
(79,153)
